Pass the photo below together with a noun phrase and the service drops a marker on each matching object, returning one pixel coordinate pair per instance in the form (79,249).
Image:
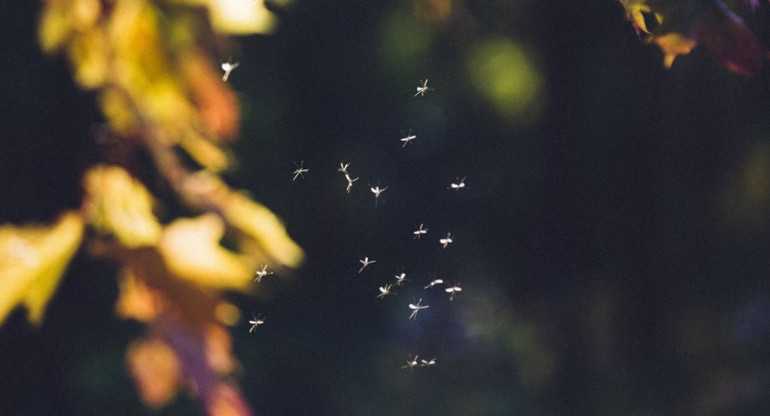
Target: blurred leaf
(190,248)
(238,17)
(188,345)
(156,370)
(62,18)
(32,261)
(261,230)
(117,204)
(679,25)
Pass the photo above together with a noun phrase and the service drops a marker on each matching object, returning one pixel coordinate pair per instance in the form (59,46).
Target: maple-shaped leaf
(32,261)
(677,26)
(117,204)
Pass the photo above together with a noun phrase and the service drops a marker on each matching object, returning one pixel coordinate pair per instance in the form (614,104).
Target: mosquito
(415,307)
(408,138)
(365,261)
(376,190)
(228,68)
(400,278)
(384,291)
(422,89)
(262,273)
(446,240)
(411,363)
(255,322)
(420,231)
(434,283)
(459,185)
(350,182)
(300,170)
(427,363)
(452,290)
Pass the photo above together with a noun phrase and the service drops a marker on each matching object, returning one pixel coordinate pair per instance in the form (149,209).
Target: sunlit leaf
(258,226)
(156,370)
(119,205)
(191,249)
(237,17)
(679,26)
(32,261)
(216,102)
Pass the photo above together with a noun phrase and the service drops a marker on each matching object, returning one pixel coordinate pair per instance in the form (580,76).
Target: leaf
(260,230)
(191,250)
(117,204)
(238,17)
(187,345)
(677,26)
(32,261)
(156,370)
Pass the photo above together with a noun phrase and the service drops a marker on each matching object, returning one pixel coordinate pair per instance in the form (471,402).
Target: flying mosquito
(262,273)
(365,261)
(422,89)
(420,231)
(228,68)
(300,170)
(408,138)
(452,290)
(255,322)
(384,291)
(411,363)
(416,308)
(446,240)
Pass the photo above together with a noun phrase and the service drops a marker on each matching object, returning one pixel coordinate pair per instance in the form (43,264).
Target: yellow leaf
(673,45)
(120,205)
(254,221)
(32,260)
(156,370)
(259,223)
(191,250)
(241,17)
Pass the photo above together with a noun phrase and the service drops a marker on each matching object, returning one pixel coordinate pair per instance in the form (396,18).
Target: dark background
(612,244)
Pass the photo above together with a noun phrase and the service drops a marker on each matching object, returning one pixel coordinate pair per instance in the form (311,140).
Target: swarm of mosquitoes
(451,289)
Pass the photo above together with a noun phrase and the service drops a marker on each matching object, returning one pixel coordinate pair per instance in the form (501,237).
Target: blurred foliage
(152,66)
(611,244)
(33,261)
(678,26)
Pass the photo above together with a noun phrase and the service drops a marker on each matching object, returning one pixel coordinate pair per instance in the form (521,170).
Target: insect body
(365,261)
(427,363)
(411,363)
(452,290)
(408,138)
(376,190)
(422,89)
(228,67)
(434,283)
(262,273)
(420,231)
(400,279)
(255,322)
(300,170)
(415,307)
(384,291)
(446,240)
(459,185)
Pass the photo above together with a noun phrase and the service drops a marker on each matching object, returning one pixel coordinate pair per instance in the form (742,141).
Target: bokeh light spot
(505,74)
